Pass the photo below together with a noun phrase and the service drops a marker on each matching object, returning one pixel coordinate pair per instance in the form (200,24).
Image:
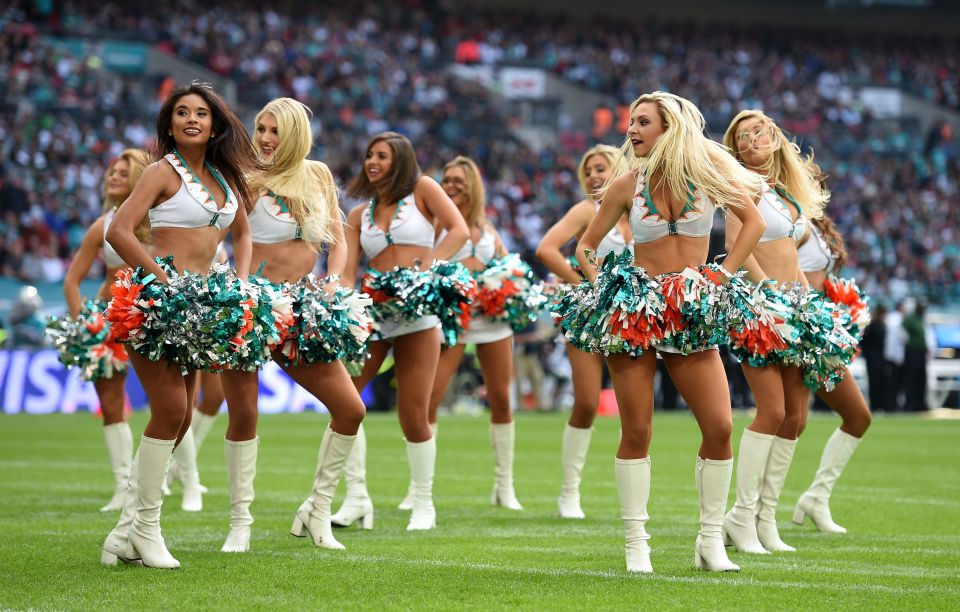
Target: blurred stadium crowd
(364,68)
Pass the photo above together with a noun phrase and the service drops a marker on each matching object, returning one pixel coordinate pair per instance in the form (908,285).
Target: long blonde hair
(137,159)
(307,187)
(607,152)
(786,167)
(683,154)
(474,215)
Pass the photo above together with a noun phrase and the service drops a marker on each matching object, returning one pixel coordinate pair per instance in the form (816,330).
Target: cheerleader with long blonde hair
(792,194)
(100,358)
(593,171)
(669,180)
(296,213)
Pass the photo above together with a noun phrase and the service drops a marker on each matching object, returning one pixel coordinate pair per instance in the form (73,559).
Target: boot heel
(108,558)
(698,560)
(799,515)
(298,529)
(366,521)
(726,539)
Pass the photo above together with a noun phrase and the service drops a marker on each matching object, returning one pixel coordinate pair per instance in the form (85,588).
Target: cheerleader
(587,368)
(108,363)
(463,183)
(296,211)
(193,194)
(665,300)
(396,231)
(791,195)
(821,254)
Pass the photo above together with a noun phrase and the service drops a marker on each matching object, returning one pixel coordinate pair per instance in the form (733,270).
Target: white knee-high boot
(144,539)
(407,502)
(503,439)
(120,449)
(357,506)
(573,453)
(774,477)
(815,501)
(115,546)
(740,524)
(314,517)
(241,459)
(633,487)
(422,457)
(186,457)
(201,425)
(713,486)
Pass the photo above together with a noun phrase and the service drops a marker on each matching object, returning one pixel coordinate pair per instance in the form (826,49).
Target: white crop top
(612,242)
(271,222)
(407,227)
(647,223)
(485,249)
(110,255)
(814,254)
(193,205)
(776,215)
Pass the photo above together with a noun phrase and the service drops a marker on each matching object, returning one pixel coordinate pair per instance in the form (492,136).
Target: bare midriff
(671,254)
(778,258)
(282,262)
(193,248)
(404,256)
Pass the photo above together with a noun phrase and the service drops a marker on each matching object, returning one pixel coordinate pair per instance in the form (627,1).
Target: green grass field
(900,499)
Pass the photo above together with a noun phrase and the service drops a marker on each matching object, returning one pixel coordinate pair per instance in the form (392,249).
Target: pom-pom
(622,312)
(758,324)
(406,294)
(507,290)
(847,294)
(87,342)
(199,322)
(329,322)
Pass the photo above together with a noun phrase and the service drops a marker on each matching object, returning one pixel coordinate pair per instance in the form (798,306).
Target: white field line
(731,580)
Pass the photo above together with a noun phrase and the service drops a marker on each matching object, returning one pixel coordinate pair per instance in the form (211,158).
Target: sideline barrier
(35,382)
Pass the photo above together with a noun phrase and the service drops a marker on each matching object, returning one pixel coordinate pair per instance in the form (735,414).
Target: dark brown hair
(404,170)
(834,240)
(229,150)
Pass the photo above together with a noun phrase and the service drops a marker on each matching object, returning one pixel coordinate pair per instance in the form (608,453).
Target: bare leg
(496,363)
(416,356)
(447,366)
(633,383)
(330,383)
(212,395)
(110,391)
(587,382)
(701,380)
(847,401)
(766,383)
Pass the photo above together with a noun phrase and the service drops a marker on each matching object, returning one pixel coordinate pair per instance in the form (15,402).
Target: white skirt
(394,329)
(484,331)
